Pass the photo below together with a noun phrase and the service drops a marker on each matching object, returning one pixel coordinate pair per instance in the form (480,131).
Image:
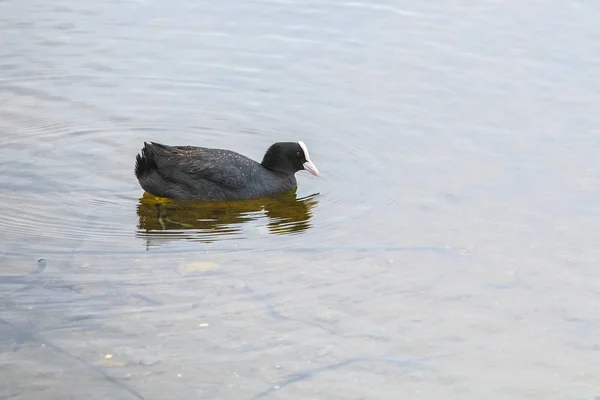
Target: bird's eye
(298,154)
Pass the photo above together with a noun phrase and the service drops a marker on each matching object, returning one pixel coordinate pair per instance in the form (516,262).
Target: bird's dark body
(199,173)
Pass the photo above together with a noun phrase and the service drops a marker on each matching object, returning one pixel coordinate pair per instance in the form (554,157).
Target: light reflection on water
(210,221)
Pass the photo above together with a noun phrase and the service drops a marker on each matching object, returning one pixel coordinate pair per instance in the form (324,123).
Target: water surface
(448,249)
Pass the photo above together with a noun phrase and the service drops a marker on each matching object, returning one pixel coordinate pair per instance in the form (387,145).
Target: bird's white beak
(310,167)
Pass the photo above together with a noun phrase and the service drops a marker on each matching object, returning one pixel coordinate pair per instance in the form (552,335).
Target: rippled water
(449,248)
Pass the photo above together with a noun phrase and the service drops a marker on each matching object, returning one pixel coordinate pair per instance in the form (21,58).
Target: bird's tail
(144,162)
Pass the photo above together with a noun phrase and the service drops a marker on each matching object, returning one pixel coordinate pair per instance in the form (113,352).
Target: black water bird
(199,173)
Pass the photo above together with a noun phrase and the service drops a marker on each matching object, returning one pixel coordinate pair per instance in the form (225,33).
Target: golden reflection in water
(212,221)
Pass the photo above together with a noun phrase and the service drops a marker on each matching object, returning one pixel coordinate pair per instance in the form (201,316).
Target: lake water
(448,250)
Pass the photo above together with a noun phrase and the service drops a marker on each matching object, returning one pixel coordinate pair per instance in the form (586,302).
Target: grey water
(448,250)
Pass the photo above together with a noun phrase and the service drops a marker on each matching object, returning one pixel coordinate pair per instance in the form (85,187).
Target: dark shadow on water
(162,219)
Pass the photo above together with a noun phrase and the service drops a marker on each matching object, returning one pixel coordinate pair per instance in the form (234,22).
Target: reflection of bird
(210,221)
(198,173)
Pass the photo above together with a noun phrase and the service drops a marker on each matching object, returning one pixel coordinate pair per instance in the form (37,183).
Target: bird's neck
(273,165)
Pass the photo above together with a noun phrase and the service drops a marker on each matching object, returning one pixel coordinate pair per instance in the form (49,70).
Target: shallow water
(449,248)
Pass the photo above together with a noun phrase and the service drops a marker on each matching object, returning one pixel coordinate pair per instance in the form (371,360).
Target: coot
(199,173)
